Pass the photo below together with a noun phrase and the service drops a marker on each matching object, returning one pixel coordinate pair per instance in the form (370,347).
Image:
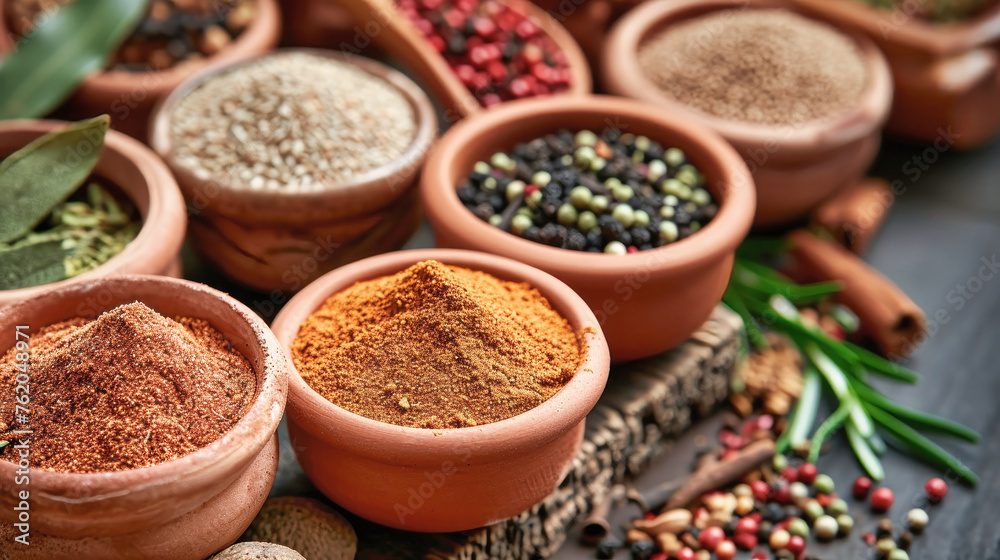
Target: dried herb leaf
(61,51)
(44,173)
(32,265)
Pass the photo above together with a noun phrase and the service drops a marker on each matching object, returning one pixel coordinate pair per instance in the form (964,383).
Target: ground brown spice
(437,346)
(769,67)
(129,389)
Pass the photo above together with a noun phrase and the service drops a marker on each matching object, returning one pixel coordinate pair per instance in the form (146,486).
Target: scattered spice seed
(612,193)
(291,120)
(497,52)
(862,486)
(823,484)
(917,519)
(127,390)
(762,66)
(171,33)
(826,527)
(936,489)
(905,540)
(882,499)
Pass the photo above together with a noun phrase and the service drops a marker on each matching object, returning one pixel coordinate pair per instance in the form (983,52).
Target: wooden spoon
(382,22)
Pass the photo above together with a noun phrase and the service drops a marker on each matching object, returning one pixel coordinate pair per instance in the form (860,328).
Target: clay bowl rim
(547,422)
(722,165)
(621,71)
(357,186)
(940,39)
(228,449)
(261,33)
(166,204)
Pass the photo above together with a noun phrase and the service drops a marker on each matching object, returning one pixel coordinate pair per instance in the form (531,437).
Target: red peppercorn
(807,473)
(936,489)
(825,499)
(765,422)
(491,99)
(631,249)
(725,551)
(710,537)
(862,486)
(869,539)
(759,555)
(882,499)
(686,554)
(745,541)
(782,493)
(747,525)
(761,491)
(649,515)
(796,544)
(790,473)
(659,556)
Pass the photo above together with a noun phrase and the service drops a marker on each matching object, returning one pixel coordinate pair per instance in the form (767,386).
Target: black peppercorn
(643,550)
(575,240)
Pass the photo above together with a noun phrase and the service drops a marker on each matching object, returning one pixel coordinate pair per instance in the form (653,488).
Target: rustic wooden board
(646,405)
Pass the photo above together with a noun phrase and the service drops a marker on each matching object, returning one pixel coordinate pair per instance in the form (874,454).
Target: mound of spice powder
(127,390)
(769,67)
(437,346)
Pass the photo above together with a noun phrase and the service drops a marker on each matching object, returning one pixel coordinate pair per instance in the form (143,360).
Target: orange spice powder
(437,346)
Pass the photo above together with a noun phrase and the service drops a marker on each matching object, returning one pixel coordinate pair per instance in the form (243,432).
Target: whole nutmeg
(305,525)
(258,551)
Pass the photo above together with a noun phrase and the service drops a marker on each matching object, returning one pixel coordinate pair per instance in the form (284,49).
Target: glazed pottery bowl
(441,480)
(143,178)
(794,167)
(129,97)
(946,76)
(647,301)
(283,239)
(186,508)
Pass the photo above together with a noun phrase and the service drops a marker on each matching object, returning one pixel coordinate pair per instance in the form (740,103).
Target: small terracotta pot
(186,508)
(142,177)
(440,480)
(648,301)
(381,22)
(129,97)
(947,76)
(282,240)
(795,168)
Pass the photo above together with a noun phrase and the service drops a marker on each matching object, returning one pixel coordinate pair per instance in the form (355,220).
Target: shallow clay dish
(381,21)
(646,302)
(187,508)
(795,168)
(129,97)
(947,76)
(142,177)
(283,239)
(440,480)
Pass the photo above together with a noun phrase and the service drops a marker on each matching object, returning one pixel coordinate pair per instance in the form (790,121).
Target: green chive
(922,447)
(833,422)
(869,461)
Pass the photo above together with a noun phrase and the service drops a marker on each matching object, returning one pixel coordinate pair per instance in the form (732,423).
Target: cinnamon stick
(596,526)
(856,213)
(718,474)
(888,317)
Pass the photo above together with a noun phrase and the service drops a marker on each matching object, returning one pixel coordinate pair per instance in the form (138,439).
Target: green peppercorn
(495,220)
(668,230)
(837,507)
(638,156)
(673,157)
(656,169)
(642,143)
(641,218)
(599,204)
(622,193)
(585,138)
(482,168)
(688,175)
(524,211)
(501,160)
(845,522)
(615,248)
(667,212)
(624,214)
(885,546)
(826,527)
(695,226)
(514,189)
(671,187)
(583,155)
(798,526)
(597,164)
(586,221)
(520,223)
(823,484)
(566,160)
(541,178)
(813,509)
(580,197)
(797,491)
(533,199)
(780,461)
(670,200)
(899,555)
(700,197)
(567,215)
(613,182)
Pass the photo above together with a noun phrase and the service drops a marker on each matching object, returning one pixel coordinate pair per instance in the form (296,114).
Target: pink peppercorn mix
(498,53)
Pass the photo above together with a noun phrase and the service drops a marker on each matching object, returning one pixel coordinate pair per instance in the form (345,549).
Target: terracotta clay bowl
(381,22)
(646,302)
(183,509)
(946,76)
(142,177)
(795,167)
(129,97)
(282,240)
(440,480)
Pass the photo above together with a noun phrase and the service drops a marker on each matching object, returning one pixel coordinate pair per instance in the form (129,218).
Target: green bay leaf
(34,179)
(32,265)
(61,51)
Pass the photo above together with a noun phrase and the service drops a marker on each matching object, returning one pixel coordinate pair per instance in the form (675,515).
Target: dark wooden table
(938,242)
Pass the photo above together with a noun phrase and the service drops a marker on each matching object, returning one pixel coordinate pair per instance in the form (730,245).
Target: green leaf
(919,445)
(32,265)
(61,51)
(34,179)
(915,418)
